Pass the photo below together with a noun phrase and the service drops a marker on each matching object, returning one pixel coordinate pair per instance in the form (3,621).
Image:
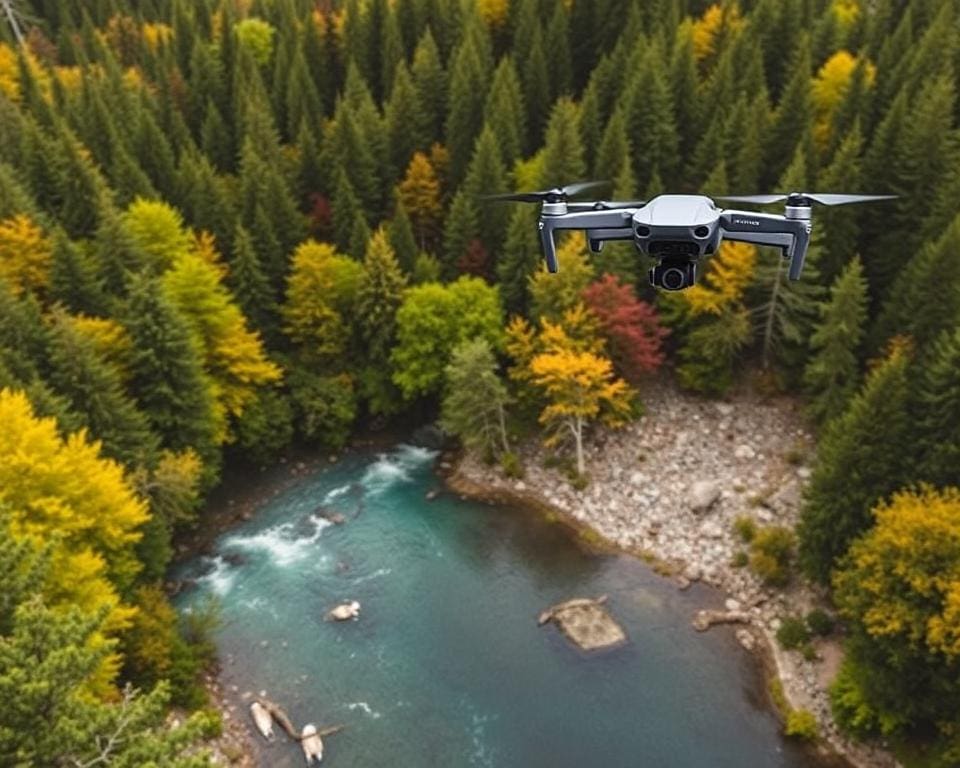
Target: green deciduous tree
(432,320)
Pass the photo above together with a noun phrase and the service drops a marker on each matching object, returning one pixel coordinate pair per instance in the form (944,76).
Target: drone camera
(673,275)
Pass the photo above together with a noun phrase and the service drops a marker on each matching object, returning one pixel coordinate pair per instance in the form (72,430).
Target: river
(446,665)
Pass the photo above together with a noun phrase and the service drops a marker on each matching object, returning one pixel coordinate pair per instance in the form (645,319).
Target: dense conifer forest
(232,226)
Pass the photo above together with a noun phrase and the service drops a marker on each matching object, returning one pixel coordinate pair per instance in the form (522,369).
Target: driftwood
(276,712)
(580,602)
(706,619)
(263,721)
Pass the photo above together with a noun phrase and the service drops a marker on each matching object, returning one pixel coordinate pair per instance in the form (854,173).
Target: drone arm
(600,225)
(792,236)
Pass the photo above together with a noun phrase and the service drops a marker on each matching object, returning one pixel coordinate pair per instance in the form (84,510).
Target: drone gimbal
(678,230)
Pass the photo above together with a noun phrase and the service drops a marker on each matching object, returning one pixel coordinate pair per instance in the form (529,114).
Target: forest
(232,226)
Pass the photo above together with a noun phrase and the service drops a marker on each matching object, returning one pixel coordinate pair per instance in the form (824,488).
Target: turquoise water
(446,665)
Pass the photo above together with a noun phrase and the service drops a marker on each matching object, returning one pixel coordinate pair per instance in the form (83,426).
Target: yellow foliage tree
(419,192)
(233,354)
(9,76)
(553,294)
(158,229)
(727,276)
(63,494)
(709,30)
(829,89)
(493,12)
(322,289)
(580,388)
(25,254)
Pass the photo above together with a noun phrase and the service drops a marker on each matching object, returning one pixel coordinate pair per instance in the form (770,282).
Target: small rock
(430,495)
(711,530)
(638,478)
(724,409)
(744,452)
(683,582)
(746,639)
(804,472)
(732,604)
(520,485)
(702,495)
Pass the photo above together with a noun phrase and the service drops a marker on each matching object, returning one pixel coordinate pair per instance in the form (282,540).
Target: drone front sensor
(678,230)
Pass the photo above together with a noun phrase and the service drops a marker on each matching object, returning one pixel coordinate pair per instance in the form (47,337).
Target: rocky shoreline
(668,489)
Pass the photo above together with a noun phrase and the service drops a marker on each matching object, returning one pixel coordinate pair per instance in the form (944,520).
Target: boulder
(586,623)
(702,495)
(344,611)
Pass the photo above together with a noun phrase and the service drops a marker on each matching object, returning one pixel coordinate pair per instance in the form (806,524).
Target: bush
(745,527)
(771,554)
(820,622)
(578,481)
(802,724)
(793,633)
(511,465)
(740,559)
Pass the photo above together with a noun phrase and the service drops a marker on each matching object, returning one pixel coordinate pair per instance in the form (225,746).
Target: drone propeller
(805,198)
(555,195)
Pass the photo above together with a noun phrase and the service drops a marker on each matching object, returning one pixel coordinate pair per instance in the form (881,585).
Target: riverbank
(668,488)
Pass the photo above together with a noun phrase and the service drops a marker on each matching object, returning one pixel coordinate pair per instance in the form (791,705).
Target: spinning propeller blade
(556,195)
(805,198)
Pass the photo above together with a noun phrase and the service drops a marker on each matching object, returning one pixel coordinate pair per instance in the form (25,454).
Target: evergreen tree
(832,373)
(402,240)
(505,112)
(462,226)
(468,89)
(475,400)
(536,88)
(430,81)
(484,175)
(860,461)
(557,41)
(614,148)
(402,115)
(94,389)
(563,161)
(521,255)
(938,411)
(249,284)
(346,211)
(793,109)
(75,280)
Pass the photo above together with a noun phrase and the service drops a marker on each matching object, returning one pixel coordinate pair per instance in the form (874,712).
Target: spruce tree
(401,116)
(860,461)
(461,227)
(505,112)
(430,81)
(832,373)
(94,389)
(346,211)
(793,110)
(468,89)
(536,88)
(938,411)
(167,376)
(614,148)
(249,284)
(486,174)
(557,41)
(75,280)
(563,161)
(402,240)
(521,255)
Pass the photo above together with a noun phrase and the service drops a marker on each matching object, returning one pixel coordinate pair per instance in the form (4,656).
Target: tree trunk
(577,428)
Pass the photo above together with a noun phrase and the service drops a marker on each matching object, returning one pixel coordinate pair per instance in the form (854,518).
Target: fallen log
(277,713)
(706,619)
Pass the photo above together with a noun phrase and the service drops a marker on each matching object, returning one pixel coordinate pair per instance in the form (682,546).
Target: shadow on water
(446,665)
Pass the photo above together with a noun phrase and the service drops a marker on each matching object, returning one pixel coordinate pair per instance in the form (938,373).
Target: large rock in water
(586,623)
(703,494)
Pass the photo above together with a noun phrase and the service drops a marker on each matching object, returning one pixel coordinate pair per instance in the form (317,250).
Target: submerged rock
(586,623)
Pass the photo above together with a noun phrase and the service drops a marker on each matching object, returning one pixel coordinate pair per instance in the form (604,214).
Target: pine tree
(925,299)
(430,81)
(557,41)
(563,161)
(467,95)
(249,284)
(401,116)
(94,389)
(346,212)
(614,148)
(505,112)
(475,400)
(840,233)
(860,461)
(536,88)
(832,374)
(521,254)
(167,376)
(402,240)
(793,108)
(75,280)
(938,411)
(649,113)
(462,226)
(486,174)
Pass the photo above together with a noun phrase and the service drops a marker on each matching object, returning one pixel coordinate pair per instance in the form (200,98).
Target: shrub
(578,481)
(809,652)
(802,724)
(740,559)
(511,465)
(771,554)
(745,527)
(793,633)
(820,622)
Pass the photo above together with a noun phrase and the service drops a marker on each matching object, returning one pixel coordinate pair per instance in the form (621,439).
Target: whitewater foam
(281,542)
(363,706)
(220,577)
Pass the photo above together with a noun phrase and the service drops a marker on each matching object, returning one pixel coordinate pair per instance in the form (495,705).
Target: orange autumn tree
(25,254)
(419,192)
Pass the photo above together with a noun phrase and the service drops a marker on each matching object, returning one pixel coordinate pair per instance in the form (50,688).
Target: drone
(677,230)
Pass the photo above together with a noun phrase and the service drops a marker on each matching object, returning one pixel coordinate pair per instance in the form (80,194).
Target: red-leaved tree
(631,327)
